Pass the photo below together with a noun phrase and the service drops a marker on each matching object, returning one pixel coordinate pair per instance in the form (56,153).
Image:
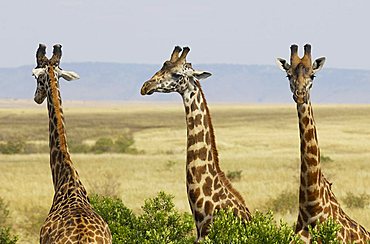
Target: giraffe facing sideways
(208,189)
(317,201)
(71,218)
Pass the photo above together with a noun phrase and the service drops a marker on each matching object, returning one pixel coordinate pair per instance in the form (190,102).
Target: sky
(146,31)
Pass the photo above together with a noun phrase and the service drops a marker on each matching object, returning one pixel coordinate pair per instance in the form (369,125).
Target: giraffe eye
(312,77)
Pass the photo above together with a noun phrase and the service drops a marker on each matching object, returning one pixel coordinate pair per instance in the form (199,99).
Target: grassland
(260,140)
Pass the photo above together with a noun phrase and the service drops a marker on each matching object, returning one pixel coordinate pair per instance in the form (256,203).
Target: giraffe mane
(54,95)
(220,173)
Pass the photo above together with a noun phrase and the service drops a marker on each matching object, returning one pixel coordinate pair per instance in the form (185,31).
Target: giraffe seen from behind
(317,201)
(71,218)
(208,189)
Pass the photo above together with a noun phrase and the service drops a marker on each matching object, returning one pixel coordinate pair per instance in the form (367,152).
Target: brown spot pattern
(312,178)
(312,149)
(208,207)
(199,171)
(305,121)
(198,120)
(309,135)
(194,194)
(203,154)
(207,187)
(194,106)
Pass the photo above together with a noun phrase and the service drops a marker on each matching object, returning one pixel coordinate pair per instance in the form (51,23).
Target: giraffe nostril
(299,93)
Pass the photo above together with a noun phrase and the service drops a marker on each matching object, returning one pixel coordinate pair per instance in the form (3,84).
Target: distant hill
(229,83)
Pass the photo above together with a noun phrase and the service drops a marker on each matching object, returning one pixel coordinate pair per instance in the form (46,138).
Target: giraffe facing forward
(317,201)
(208,189)
(71,218)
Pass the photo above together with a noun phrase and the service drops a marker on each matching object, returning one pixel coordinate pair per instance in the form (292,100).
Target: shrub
(5,232)
(325,159)
(120,219)
(159,223)
(325,232)
(77,146)
(262,228)
(103,145)
(6,237)
(12,147)
(123,143)
(353,201)
(234,175)
(285,202)
(170,164)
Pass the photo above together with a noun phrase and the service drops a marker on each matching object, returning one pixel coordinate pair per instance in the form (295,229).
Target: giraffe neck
(201,145)
(317,201)
(313,184)
(203,174)
(60,161)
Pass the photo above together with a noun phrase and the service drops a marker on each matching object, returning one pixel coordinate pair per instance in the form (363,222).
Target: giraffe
(208,189)
(71,218)
(317,201)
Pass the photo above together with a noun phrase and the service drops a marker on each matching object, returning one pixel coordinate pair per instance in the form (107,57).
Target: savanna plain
(258,147)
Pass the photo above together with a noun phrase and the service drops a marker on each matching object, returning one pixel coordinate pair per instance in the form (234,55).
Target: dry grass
(262,141)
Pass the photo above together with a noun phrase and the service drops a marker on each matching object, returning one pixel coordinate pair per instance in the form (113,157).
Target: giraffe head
(176,75)
(48,71)
(301,72)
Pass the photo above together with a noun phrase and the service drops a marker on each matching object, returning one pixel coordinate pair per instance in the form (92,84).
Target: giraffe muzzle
(39,98)
(300,96)
(148,88)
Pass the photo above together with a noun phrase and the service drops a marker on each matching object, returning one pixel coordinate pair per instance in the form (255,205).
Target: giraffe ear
(199,75)
(318,64)
(282,64)
(37,72)
(68,75)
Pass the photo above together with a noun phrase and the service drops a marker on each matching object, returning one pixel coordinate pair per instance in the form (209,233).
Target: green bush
(262,228)
(103,145)
(226,228)
(325,159)
(121,220)
(325,232)
(78,146)
(12,147)
(170,164)
(285,202)
(234,175)
(159,222)
(353,201)
(5,232)
(123,143)
(6,237)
